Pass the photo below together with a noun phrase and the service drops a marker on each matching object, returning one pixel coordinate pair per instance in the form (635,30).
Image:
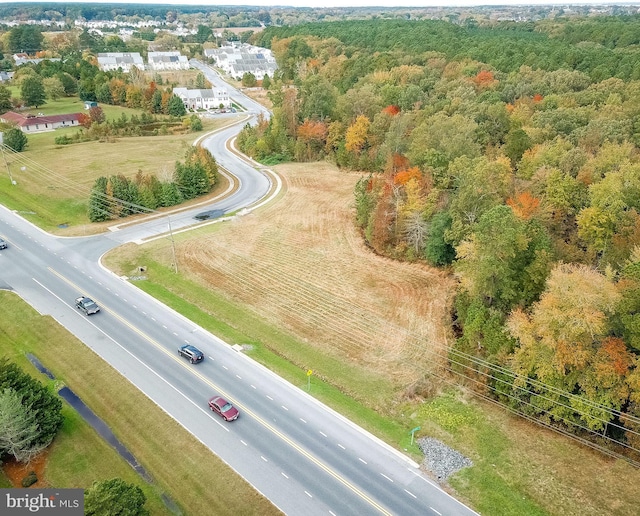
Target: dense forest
(509,155)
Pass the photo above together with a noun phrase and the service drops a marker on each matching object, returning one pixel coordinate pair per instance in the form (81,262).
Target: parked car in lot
(191,353)
(87,305)
(223,408)
(3,244)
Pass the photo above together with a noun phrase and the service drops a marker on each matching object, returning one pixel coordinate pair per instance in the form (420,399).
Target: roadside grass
(180,466)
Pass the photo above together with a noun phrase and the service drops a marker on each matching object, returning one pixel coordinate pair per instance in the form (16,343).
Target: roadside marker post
(413,432)
(309,373)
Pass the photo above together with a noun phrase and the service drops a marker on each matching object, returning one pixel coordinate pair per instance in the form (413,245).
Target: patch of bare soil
(17,471)
(301,263)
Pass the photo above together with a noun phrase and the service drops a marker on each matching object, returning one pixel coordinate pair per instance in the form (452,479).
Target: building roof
(25,120)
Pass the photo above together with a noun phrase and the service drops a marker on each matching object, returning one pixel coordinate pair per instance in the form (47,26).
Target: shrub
(30,479)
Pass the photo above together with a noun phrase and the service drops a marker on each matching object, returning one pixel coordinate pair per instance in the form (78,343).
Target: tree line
(523,181)
(118,196)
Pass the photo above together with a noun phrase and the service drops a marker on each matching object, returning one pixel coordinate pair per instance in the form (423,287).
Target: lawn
(182,468)
(52,182)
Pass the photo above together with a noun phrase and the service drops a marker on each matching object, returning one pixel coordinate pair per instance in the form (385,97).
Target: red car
(223,408)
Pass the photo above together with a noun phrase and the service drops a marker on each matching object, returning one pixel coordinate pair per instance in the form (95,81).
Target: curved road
(303,456)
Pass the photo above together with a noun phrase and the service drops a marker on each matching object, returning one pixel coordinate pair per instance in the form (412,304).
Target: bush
(30,479)
(63,140)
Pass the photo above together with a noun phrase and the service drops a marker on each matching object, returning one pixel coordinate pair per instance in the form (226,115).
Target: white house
(236,60)
(40,123)
(203,99)
(167,61)
(111,61)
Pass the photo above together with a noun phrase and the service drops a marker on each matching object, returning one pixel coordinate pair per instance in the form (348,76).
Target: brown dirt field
(301,262)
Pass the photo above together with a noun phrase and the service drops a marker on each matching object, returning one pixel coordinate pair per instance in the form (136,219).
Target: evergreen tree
(175,106)
(15,139)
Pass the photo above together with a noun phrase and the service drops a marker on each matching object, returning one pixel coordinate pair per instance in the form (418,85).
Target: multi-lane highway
(304,457)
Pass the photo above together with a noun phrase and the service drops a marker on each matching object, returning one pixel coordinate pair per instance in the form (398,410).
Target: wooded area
(508,153)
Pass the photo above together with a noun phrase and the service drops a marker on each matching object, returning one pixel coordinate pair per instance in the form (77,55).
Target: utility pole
(6,164)
(173,246)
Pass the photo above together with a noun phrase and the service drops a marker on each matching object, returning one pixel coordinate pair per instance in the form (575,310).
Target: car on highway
(223,408)
(3,244)
(87,305)
(191,353)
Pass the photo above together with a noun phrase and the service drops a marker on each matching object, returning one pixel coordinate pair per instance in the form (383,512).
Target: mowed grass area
(53,182)
(519,468)
(182,468)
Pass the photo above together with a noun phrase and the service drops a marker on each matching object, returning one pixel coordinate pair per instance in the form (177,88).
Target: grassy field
(53,181)
(182,468)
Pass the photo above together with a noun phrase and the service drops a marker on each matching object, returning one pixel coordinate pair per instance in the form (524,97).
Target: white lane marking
(243,442)
(322,433)
(341,446)
(164,326)
(253,386)
(186,341)
(385,476)
(362,460)
(211,358)
(303,420)
(308,494)
(153,319)
(332,513)
(439,513)
(269,397)
(263,458)
(239,377)
(410,493)
(285,476)
(175,333)
(284,407)
(225,367)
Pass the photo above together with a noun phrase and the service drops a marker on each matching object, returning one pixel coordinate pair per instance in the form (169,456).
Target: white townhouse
(167,61)
(203,99)
(236,60)
(111,61)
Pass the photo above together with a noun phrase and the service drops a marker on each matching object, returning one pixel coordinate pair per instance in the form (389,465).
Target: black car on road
(191,352)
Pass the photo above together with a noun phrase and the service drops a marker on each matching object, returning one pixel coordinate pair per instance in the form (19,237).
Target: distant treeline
(606,47)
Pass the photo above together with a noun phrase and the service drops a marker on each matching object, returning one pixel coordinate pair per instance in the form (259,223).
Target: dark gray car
(87,305)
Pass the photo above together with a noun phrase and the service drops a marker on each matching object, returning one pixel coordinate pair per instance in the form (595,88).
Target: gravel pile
(441,460)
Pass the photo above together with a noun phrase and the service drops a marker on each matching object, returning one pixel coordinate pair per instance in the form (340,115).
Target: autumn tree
(565,360)
(312,134)
(356,135)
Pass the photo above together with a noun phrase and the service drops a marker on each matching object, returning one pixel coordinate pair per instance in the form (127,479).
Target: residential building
(112,61)
(167,61)
(203,99)
(40,123)
(236,60)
